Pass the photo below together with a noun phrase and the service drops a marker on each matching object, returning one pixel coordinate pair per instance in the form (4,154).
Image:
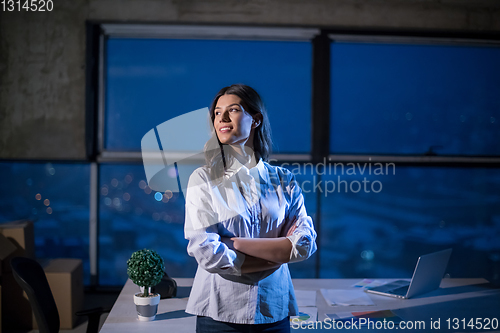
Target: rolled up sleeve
(303,238)
(200,229)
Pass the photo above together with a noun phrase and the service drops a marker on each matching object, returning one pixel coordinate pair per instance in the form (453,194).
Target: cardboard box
(65,277)
(21,235)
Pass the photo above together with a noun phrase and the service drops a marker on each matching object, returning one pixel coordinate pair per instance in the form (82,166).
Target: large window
(148,81)
(374,217)
(418,104)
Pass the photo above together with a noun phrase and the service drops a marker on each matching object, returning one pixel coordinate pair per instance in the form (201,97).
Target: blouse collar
(237,167)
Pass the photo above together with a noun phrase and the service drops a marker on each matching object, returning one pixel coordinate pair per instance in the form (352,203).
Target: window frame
(411,39)
(99,154)
(237,33)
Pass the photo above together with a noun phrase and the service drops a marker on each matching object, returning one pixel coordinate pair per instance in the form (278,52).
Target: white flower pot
(146,306)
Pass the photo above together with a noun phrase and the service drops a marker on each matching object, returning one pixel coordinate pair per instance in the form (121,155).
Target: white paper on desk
(346,297)
(305,297)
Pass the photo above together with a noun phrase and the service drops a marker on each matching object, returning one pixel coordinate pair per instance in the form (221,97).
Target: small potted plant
(146,268)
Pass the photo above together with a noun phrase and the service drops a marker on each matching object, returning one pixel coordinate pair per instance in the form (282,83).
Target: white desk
(457,298)
(170,318)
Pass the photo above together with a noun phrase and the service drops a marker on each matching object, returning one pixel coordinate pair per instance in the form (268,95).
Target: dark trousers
(208,325)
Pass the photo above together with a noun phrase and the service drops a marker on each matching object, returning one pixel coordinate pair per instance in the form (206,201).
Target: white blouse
(262,202)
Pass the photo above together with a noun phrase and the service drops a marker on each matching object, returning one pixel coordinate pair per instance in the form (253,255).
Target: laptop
(426,277)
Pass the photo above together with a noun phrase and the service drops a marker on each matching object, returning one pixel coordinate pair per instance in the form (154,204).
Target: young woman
(245,220)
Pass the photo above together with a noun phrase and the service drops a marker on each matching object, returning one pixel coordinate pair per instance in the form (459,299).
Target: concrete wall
(42,55)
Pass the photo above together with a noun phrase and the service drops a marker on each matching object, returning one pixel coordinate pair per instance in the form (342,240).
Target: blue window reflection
(150,81)
(415,99)
(55,196)
(417,211)
(132,218)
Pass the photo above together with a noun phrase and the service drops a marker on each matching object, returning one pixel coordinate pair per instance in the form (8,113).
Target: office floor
(92,299)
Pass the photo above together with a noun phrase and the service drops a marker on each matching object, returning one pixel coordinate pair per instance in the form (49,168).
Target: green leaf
(145,268)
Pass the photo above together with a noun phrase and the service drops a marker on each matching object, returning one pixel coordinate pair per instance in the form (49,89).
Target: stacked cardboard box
(65,277)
